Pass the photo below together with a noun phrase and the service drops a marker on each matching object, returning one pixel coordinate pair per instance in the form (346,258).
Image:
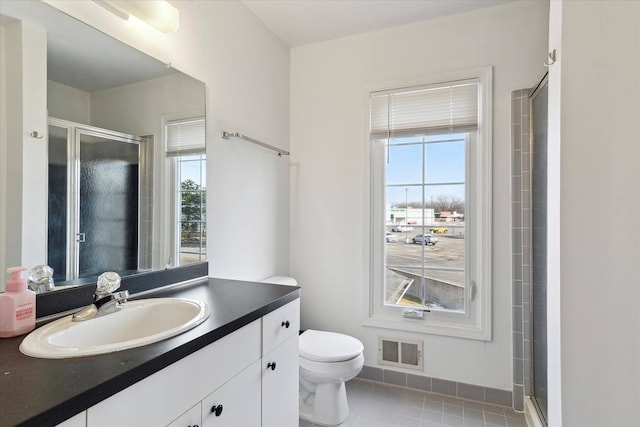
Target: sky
(444,168)
(194,169)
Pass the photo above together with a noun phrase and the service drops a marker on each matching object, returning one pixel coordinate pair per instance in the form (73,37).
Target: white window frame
(177,213)
(172,186)
(475,322)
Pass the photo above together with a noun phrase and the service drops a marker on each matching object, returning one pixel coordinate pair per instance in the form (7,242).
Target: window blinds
(437,109)
(185,137)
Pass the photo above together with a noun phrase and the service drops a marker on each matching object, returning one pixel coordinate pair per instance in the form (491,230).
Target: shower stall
(529,244)
(538,155)
(94,200)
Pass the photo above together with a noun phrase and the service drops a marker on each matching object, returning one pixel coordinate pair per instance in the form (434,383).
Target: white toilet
(327,360)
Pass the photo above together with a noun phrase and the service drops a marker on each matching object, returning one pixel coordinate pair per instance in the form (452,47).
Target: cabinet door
(191,418)
(236,403)
(280,385)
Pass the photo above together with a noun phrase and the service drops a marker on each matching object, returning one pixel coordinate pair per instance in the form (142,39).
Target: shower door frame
(74,131)
(542,412)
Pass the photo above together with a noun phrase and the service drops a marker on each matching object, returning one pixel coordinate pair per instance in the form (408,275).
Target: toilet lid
(322,346)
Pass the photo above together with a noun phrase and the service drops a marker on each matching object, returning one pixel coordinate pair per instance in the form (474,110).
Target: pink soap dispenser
(17,306)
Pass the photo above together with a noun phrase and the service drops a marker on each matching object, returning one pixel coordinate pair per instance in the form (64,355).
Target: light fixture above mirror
(157,13)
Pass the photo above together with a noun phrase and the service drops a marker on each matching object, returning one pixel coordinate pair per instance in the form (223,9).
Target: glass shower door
(57,202)
(93,203)
(539,242)
(107,198)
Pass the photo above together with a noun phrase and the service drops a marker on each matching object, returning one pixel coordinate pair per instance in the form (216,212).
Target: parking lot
(447,253)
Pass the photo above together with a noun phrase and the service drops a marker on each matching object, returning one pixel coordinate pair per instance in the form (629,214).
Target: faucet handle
(107,283)
(121,296)
(40,279)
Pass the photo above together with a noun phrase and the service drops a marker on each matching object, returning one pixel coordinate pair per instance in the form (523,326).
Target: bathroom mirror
(122,194)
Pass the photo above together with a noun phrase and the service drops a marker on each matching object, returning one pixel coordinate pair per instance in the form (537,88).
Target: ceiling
(105,62)
(299,22)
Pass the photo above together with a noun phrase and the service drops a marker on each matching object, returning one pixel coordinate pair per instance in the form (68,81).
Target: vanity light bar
(158,13)
(113,9)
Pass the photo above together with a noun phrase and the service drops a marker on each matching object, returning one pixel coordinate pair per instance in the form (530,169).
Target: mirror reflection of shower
(94,208)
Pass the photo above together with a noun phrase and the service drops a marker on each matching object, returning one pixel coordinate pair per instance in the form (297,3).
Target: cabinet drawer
(279,325)
(163,396)
(191,418)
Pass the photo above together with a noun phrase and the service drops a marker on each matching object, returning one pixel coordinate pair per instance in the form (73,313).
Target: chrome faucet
(105,300)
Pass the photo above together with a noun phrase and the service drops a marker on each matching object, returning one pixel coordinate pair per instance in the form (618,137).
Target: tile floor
(374,404)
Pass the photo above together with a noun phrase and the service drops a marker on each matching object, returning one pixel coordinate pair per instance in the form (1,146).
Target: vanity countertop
(48,391)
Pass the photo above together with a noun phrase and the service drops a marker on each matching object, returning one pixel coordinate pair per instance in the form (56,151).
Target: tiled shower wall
(145,260)
(521,245)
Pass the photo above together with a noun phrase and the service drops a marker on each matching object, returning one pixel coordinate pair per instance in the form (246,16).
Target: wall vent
(400,352)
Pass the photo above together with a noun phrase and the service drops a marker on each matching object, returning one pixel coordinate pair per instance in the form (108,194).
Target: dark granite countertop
(45,392)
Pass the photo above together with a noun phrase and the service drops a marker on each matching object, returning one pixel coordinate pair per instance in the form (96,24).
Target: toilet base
(328,406)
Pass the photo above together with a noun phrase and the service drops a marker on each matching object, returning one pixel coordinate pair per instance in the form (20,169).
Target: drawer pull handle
(271,366)
(286,324)
(216,409)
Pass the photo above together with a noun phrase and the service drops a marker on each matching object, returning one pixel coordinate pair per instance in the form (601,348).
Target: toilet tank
(281,280)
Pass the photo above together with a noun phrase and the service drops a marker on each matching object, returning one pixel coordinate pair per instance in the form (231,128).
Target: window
(429,223)
(185,149)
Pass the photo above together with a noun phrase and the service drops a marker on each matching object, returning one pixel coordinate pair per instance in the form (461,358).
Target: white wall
(328,138)
(595,106)
(246,71)
(554,339)
(3,153)
(138,108)
(68,103)
(24,69)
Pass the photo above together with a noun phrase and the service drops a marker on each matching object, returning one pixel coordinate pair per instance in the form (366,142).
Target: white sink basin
(139,323)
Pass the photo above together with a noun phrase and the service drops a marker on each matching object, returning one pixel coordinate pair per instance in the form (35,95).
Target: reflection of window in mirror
(185,149)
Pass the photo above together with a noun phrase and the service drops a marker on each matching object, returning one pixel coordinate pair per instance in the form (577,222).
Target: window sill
(461,327)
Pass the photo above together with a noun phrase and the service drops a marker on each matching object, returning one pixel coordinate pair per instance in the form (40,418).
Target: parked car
(390,237)
(425,239)
(439,230)
(401,228)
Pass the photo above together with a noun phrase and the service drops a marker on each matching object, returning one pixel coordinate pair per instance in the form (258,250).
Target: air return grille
(406,353)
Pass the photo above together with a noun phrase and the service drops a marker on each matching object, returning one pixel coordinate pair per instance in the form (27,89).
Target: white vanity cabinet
(280,386)
(235,404)
(191,418)
(248,378)
(164,396)
(280,366)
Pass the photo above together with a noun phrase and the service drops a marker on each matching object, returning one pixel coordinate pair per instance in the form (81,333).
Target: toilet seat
(323,346)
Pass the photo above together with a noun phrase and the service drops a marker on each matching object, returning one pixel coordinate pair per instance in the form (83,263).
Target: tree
(192,209)
(441,203)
